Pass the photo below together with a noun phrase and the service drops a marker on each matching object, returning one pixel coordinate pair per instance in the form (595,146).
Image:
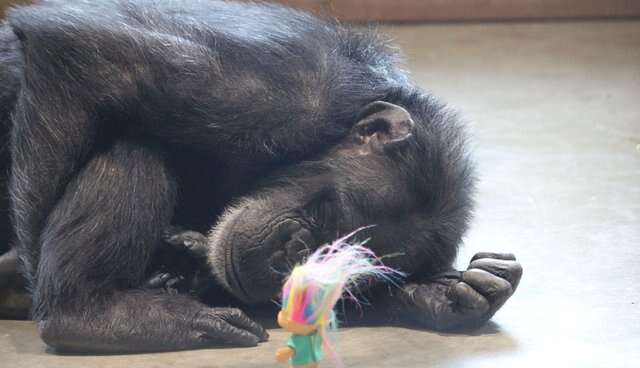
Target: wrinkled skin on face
(406,173)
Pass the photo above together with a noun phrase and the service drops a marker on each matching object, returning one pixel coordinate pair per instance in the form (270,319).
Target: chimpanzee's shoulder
(194,19)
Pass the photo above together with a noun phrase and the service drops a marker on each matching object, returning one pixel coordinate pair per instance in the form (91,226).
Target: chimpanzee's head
(403,168)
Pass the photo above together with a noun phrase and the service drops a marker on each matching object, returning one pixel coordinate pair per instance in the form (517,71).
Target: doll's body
(307,350)
(304,347)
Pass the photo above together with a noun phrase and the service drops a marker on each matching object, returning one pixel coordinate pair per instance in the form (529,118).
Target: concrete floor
(554,110)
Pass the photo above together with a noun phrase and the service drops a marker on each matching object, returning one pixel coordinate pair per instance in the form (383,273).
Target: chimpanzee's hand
(135,321)
(457,300)
(181,265)
(193,241)
(172,284)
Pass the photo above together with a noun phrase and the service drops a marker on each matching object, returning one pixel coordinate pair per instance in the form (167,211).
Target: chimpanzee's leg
(95,246)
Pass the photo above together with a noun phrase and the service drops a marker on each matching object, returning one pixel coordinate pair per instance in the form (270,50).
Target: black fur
(10,62)
(130,116)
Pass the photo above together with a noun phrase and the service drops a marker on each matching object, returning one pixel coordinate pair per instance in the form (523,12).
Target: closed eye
(321,209)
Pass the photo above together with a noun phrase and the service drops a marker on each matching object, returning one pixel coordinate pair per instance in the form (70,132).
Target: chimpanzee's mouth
(251,256)
(232,277)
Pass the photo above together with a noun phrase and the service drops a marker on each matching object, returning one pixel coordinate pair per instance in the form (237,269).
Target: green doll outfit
(308,349)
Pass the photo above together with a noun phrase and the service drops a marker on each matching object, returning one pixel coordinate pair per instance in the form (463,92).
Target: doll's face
(294,327)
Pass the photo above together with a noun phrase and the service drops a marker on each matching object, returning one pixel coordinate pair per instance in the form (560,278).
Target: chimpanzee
(128,117)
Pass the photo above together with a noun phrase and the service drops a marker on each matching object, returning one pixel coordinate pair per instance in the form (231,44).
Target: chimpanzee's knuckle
(502,291)
(516,270)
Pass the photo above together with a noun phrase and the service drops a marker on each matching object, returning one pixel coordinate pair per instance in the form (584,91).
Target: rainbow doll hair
(335,270)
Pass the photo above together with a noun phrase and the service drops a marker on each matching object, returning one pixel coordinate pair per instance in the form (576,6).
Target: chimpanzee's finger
(469,298)
(157,281)
(238,319)
(508,270)
(222,332)
(504,256)
(494,288)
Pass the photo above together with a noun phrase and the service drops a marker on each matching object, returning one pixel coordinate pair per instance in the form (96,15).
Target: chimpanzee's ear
(383,126)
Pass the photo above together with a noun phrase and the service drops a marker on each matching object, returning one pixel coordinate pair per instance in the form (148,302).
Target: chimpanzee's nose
(297,246)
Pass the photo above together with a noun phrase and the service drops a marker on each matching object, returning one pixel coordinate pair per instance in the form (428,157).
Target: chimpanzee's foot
(457,300)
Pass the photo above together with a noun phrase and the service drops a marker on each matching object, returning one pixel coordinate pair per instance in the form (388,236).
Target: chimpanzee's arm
(445,301)
(144,321)
(451,300)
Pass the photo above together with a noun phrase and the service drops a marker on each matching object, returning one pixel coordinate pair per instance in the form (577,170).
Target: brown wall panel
(441,10)
(4,4)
